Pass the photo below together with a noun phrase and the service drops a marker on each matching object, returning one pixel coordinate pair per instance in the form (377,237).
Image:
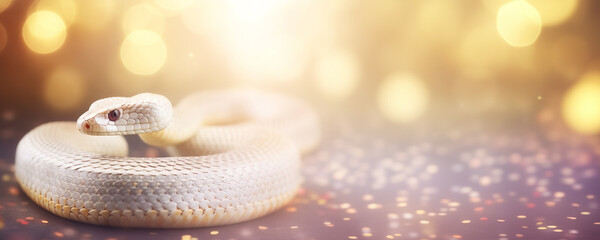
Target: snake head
(142,113)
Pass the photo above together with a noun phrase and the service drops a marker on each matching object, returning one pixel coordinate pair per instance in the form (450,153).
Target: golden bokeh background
(413,63)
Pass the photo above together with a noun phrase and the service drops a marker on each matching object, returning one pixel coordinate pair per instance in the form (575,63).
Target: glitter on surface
(262,228)
(436,201)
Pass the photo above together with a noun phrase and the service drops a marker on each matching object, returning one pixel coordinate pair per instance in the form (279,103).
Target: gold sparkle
(291,209)
(590,196)
(214,233)
(262,228)
(374,206)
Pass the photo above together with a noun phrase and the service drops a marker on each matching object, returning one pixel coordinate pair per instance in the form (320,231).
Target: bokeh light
(143,16)
(64,89)
(337,73)
(3,38)
(143,52)
(66,9)
(402,97)
(519,23)
(4,4)
(581,104)
(44,32)
(555,12)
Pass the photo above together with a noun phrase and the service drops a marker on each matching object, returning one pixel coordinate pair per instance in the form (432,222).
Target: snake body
(235,157)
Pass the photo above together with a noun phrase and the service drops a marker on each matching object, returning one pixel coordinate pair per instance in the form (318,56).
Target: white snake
(236,157)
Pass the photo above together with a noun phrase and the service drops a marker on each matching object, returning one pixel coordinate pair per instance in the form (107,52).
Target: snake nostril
(87,126)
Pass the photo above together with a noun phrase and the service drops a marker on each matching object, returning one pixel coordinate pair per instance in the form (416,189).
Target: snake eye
(114,115)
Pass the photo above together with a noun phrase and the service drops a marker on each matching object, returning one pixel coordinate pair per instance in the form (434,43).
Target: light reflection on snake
(235,157)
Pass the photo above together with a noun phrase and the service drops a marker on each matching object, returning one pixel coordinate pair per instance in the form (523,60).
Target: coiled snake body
(235,157)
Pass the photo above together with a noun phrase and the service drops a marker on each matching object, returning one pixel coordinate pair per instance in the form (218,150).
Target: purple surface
(369,180)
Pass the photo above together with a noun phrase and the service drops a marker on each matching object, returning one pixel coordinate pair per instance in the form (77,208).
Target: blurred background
(407,61)
(442,119)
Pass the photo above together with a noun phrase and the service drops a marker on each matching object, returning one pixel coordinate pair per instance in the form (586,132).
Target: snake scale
(234,156)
